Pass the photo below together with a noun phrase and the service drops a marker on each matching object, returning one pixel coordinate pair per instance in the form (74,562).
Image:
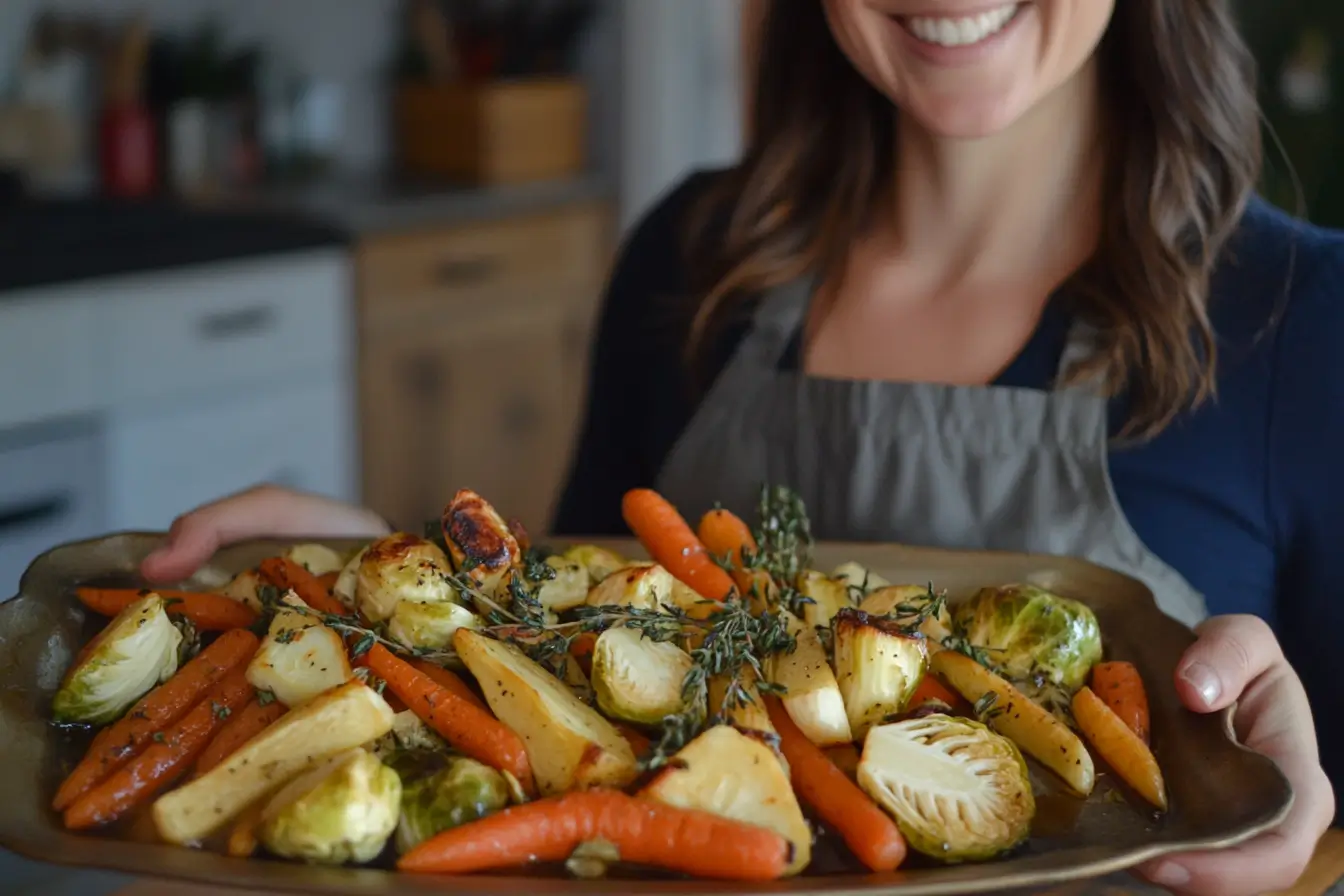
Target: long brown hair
(1179,88)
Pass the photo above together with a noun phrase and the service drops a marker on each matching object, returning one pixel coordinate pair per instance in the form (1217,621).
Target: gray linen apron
(962,467)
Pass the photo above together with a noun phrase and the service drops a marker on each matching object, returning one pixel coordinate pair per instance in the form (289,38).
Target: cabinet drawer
(238,323)
(300,435)
(483,260)
(40,383)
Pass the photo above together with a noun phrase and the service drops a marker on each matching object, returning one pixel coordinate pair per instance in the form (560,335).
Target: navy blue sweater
(1244,496)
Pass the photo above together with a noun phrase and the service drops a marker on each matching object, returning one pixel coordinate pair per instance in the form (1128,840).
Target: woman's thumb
(192,540)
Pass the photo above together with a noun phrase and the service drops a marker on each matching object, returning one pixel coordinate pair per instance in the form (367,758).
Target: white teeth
(962,31)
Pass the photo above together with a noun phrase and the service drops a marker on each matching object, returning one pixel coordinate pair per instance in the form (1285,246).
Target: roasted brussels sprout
(636,679)
(1034,637)
(481,543)
(429,625)
(878,666)
(400,568)
(440,791)
(639,586)
(599,562)
(958,791)
(299,658)
(137,650)
(344,810)
(567,589)
(827,597)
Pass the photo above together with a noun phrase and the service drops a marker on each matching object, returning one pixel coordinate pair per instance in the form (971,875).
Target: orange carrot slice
(123,741)
(241,727)
(287,575)
(1120,686)
(445,678)
(671,543)
(1122,749)
(208,612)
(171,753)
(725,535)
(869,832)
(645,832)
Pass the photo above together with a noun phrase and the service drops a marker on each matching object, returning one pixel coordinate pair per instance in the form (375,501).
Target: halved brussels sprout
(1035,637)
(877,665)
(430,626)
(480,541)
(398,568)
(639,586)
(599,562)
(636,679)
(441,792)
(812,696)
(568,589)
(318,559)
(299,658)
(828,596)
(136,650)
(344,810)
(958,791)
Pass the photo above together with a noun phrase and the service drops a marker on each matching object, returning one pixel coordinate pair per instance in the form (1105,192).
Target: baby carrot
(287,575)
(119,744)
(208,612)
(645,832)
(636,739)
(466,726)
(445,678)
(172,752)
(930,688)
(725,535)
(328,580)
(869,832)
(241,727)
(1120,686)
(1119,746)
(671,543)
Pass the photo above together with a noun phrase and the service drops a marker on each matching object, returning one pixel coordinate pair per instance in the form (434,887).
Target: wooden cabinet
(473,357)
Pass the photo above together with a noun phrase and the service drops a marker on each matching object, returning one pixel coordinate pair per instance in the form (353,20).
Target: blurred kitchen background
(356,246)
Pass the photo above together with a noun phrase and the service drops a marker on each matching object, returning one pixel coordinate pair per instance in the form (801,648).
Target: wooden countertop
(1325,877)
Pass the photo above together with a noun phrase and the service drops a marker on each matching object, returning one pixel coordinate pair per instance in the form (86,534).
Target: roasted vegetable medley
(463,701)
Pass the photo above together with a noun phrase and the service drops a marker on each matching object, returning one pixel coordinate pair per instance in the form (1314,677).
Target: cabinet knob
(238,323)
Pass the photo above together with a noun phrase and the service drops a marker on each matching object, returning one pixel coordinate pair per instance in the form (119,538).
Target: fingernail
(1202,678)
(1169,874)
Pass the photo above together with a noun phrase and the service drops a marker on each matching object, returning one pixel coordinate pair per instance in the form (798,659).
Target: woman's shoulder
(1279,264)
(663,229)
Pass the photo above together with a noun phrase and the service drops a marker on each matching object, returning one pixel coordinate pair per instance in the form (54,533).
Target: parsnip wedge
(812,697)
(568,742)
(1017,717)
(734,775)
(347,716)
(749,715)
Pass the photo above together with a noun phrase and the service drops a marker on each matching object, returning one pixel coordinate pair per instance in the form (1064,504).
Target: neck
(985,208)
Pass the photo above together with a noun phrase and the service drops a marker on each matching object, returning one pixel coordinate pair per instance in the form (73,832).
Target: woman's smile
(954,39)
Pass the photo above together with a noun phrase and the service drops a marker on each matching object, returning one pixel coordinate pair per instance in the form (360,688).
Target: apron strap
(778,317)
(1081,345)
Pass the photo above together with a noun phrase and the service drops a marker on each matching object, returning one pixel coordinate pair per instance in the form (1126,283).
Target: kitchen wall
(344,42)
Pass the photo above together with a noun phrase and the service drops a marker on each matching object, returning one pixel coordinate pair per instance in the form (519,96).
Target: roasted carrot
(1122,749)
(1120,687)
(725,535)
(208,612)
(669,540)
(242,842)
(930,688)
(645,832)
(172,752)
(119,744)
(637,741)
(845,756)
(465,725)
(328,581)
(241,727)
(287,575)
(869,832)
(445,678)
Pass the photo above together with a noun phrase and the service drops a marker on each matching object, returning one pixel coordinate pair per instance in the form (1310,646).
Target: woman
(944,205)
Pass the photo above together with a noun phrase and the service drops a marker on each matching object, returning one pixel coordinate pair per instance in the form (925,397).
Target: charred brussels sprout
(1033,636)
(878,666)
(637,679)
(133,653)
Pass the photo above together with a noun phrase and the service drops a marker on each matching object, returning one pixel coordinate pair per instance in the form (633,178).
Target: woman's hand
(262,512)
(1237,658)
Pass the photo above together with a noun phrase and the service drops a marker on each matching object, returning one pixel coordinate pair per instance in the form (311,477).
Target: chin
(968,68)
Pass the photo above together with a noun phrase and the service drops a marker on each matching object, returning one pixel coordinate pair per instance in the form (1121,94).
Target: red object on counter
(126,151)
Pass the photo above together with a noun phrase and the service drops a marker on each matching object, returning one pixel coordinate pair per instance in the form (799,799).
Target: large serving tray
(1221,793)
